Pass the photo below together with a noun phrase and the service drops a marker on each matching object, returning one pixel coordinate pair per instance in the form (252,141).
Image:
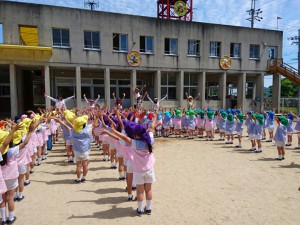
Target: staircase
(278,66)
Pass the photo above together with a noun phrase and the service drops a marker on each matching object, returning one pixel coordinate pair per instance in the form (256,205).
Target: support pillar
(276,92)
(157,84)
(222,86)
(180,84)
(107,87)
(78,88)
(13,91)
(259,93)
(201,88)
(133,85)
(241,91)
(47,86)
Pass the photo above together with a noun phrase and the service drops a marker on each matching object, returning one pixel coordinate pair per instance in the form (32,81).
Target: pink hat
(23,116)
(31,116)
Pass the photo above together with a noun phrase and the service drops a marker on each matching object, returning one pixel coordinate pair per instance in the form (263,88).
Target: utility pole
(92,4)
(296,40)
(254,14)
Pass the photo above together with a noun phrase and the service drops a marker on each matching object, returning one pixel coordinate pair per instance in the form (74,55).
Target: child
(280,136)
(81,134)
(200,122)
(167,120)
(297,128)
(239,128)
(190,100)
(229,128)
(143,163)
(209,125)
(222,123)
(155,103)
(290,129)
(270,125)
(118,101)
(258,131)
(137,96)
(60,103)
(191,123)
(250,123)
(177,122)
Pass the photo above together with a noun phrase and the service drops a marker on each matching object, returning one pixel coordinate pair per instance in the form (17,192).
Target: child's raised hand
(16,127)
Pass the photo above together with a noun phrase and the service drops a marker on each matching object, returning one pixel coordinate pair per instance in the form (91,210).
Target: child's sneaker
(139,213)
(258,151)
(147,211)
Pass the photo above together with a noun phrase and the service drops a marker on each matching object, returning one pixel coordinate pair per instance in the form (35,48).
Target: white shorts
(35,150)
(69,143)
(112,146)
(129,168)
(240,133)
(1,199)
(191,127)
(22,169)
(271,129)
(279,143)
(251,136)
(81,156)
(144,178)
(229,133)
(12,184)
(257,137)
(222,131)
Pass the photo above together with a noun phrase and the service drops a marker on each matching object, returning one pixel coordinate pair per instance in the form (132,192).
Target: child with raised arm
(137,95)
(118,101)
(143,163)
(91,103)
(280,136)
(155,103)
(190,100)
(60,103)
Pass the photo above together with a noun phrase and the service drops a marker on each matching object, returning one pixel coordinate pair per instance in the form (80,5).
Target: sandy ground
(198,182)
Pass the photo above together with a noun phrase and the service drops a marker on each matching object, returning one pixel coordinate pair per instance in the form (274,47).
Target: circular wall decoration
(180,8)
(134,58)
(225,62)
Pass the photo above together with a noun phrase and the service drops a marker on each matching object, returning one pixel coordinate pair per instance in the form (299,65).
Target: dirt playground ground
(198,182)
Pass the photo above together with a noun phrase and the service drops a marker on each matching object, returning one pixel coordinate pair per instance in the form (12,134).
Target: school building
(59,50)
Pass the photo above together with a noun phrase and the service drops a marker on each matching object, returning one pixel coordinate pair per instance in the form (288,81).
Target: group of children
(126,137)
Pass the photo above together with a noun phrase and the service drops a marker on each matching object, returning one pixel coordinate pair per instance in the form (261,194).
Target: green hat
(191,113)
(224,115)
(230,117)
(283,120)
(210,115)
(178,112)
(240,116)
(260,118)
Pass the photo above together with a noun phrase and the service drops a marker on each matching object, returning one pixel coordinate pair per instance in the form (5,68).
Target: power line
(254,14)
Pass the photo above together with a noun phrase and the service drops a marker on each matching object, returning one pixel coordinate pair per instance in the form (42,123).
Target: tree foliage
(288,88)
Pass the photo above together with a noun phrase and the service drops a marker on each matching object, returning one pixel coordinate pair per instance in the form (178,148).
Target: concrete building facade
(52,50)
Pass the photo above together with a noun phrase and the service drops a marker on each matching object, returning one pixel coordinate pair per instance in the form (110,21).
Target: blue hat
(290,115)
(271,115)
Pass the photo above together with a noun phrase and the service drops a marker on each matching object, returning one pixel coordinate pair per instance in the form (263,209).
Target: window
(215,49)
(1,33)
(92,88)
(193,48)
(171,46)
(190,84)
(272,52)
(91,40)
(254,52)
(28,35)
(235,50)
(146,44)
(61,38)
(65,86)
(231,90)
(249,89)
(168,85)
(212,90)
(120,42)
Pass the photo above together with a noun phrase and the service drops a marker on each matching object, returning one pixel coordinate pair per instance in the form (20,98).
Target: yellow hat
(70,116)
(27,123)
(17,137)
(35,119)
(79,122)
(3,135)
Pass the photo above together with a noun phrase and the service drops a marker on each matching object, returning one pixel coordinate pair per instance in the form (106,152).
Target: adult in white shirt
(137,95)
(91,103)
(60,102)
(156,102)
(190,100)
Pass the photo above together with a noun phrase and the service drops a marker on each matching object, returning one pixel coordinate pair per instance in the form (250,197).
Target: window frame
(196,42)
(247,87)
(233,54)
(213,88)
(169,53)
(146,51)
(92,40)
(61,43)
(217,49)
(2,34)
(190,86)
(119,35)
(251,51)
(167,86)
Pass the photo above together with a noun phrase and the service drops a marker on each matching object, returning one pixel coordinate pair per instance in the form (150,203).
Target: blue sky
(230,12)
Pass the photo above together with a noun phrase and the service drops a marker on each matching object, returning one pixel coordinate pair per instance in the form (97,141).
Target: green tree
(288,88)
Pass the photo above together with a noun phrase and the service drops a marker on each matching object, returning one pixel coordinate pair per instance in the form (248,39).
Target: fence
(289,105)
